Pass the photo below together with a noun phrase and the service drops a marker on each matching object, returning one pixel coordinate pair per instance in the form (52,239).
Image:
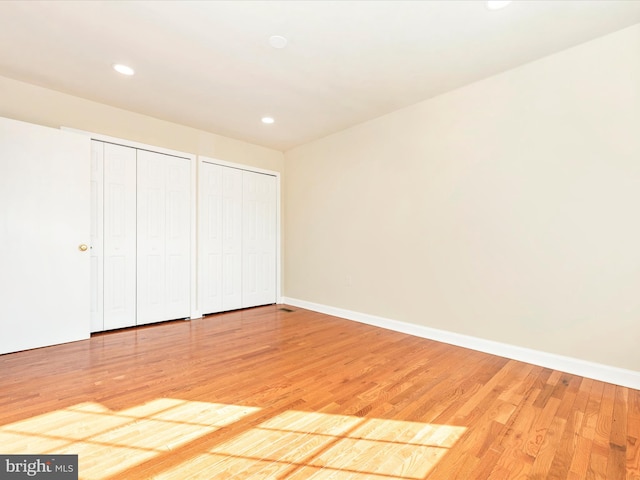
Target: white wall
(505,210)
(30,103)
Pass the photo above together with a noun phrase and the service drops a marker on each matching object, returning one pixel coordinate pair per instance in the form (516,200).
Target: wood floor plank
(573,404)
(633,436)
(616,462)
(268,394)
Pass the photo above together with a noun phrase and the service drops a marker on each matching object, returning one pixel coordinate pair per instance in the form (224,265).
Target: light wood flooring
(270,394)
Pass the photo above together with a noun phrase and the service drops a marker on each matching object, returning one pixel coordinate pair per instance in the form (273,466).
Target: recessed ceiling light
(277,41)
(267,120)
(497,4)
(123,69)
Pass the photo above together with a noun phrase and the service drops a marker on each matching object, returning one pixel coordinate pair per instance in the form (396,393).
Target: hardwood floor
(270,394)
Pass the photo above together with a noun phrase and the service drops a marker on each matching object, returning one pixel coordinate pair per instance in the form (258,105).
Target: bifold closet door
(231,239)
(113,236)
(258,239)
(163,241)
(211,237)
(221,237)
(119,244)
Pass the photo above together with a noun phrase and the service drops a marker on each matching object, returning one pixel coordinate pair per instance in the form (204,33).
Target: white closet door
(178,237)
(119,236)
(163,237)
(232,211)
(211,237)
(221,238)
(259,239)
(96,282)
(150,240)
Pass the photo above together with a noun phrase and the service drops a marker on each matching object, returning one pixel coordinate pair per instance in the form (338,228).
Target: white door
(178,237)
(258,239)
(232,211)
(163,240)
(220,238)
(210,177)
(44,219)
(119,244)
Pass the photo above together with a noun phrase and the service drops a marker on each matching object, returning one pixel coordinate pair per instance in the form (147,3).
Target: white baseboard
(574,366)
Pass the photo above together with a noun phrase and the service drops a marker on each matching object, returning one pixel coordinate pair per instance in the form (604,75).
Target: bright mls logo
(50,467)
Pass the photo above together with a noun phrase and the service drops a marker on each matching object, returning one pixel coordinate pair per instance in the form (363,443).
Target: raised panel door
(151,278)
(163,207)
(211,237)
(232,239)
(258,239)
(177,237)
(119,236)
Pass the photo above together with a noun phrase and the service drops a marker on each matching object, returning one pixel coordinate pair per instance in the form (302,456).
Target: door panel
(163,281)
(119,236)
(221,237)
(211,237)
(45,200)
(259,239)
(150,241)
(232,239)
(178,237)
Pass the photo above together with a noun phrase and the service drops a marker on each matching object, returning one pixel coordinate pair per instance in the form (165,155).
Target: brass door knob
(82,247)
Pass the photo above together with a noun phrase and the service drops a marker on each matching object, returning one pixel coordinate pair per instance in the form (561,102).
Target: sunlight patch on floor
(315,445)
(109,442)
(292,445)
